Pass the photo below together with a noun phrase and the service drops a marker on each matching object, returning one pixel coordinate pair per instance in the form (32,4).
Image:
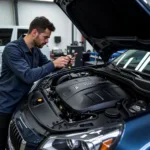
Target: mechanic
(22,64)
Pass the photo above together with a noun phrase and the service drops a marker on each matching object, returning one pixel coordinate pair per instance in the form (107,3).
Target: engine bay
(89,94)
(84,95)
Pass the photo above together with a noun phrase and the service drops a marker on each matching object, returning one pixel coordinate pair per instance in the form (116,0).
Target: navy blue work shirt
(20,68)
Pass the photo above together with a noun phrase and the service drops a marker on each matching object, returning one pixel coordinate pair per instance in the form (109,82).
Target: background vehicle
(11,33)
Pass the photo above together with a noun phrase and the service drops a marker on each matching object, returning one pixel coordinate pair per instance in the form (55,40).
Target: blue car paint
(136,134)
(113,56)
(117,54)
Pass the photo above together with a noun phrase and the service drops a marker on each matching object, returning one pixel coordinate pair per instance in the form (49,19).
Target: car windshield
(135,60)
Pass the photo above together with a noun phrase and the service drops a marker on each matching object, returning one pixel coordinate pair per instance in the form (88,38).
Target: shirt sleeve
(12,56)
(43,59)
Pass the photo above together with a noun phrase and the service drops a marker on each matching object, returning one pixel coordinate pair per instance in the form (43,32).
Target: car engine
(82,95)
(90,94)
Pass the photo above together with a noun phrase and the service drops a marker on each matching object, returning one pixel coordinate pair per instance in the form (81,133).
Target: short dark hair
(41,23)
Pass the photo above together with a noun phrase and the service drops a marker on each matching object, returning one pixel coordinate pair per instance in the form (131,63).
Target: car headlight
(96,139)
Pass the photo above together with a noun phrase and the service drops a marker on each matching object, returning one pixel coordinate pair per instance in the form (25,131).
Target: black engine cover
(90,93)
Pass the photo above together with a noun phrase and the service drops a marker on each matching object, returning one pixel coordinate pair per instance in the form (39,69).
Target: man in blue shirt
(22,64)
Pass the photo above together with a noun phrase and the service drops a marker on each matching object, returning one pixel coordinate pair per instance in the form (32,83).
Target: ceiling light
(48,0)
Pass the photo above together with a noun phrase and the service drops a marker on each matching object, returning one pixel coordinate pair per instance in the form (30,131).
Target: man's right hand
(61,62)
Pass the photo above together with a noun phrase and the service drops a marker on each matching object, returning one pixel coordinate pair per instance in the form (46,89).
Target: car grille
(15,137)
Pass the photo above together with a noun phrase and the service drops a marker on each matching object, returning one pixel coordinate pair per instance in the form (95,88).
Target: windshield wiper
(122,71)
(116,67)
(133,73)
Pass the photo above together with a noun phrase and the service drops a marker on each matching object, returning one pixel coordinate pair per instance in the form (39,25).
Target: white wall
(78,38)
(27,11)
(88,46)
(6,12)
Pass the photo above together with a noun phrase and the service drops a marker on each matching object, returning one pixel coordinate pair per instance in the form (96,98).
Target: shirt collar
(23,44)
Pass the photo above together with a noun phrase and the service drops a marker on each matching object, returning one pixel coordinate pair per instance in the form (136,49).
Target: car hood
(110,25)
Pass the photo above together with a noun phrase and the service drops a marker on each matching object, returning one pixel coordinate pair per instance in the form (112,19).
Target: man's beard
(37,45)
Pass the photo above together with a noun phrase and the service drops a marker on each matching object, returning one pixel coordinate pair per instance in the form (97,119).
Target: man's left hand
(72,58)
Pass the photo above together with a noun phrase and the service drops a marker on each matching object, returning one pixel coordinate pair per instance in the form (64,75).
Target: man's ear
(34,32)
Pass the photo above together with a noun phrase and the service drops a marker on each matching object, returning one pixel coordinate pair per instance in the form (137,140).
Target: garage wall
(6,13)
(27,11)
(89,47)
(78,38)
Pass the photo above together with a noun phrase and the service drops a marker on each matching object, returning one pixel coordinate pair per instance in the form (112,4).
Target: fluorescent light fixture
(145,64)
(145,1)
(142,61)
(44,0)
(128,62)
(121,59)
(48,0)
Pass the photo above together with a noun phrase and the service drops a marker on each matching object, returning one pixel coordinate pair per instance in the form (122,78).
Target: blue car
(101,107)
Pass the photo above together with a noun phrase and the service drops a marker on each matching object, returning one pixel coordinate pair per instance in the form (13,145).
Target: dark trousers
(4,123)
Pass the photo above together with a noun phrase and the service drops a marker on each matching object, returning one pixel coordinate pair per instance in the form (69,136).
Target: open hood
(111,25)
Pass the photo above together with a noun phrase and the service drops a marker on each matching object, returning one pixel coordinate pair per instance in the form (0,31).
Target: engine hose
(61,79)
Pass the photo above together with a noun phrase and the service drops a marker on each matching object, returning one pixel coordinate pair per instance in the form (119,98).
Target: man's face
(42,38)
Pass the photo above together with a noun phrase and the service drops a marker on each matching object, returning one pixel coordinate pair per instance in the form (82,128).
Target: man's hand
(61,62)
(64,61)
(72,58)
